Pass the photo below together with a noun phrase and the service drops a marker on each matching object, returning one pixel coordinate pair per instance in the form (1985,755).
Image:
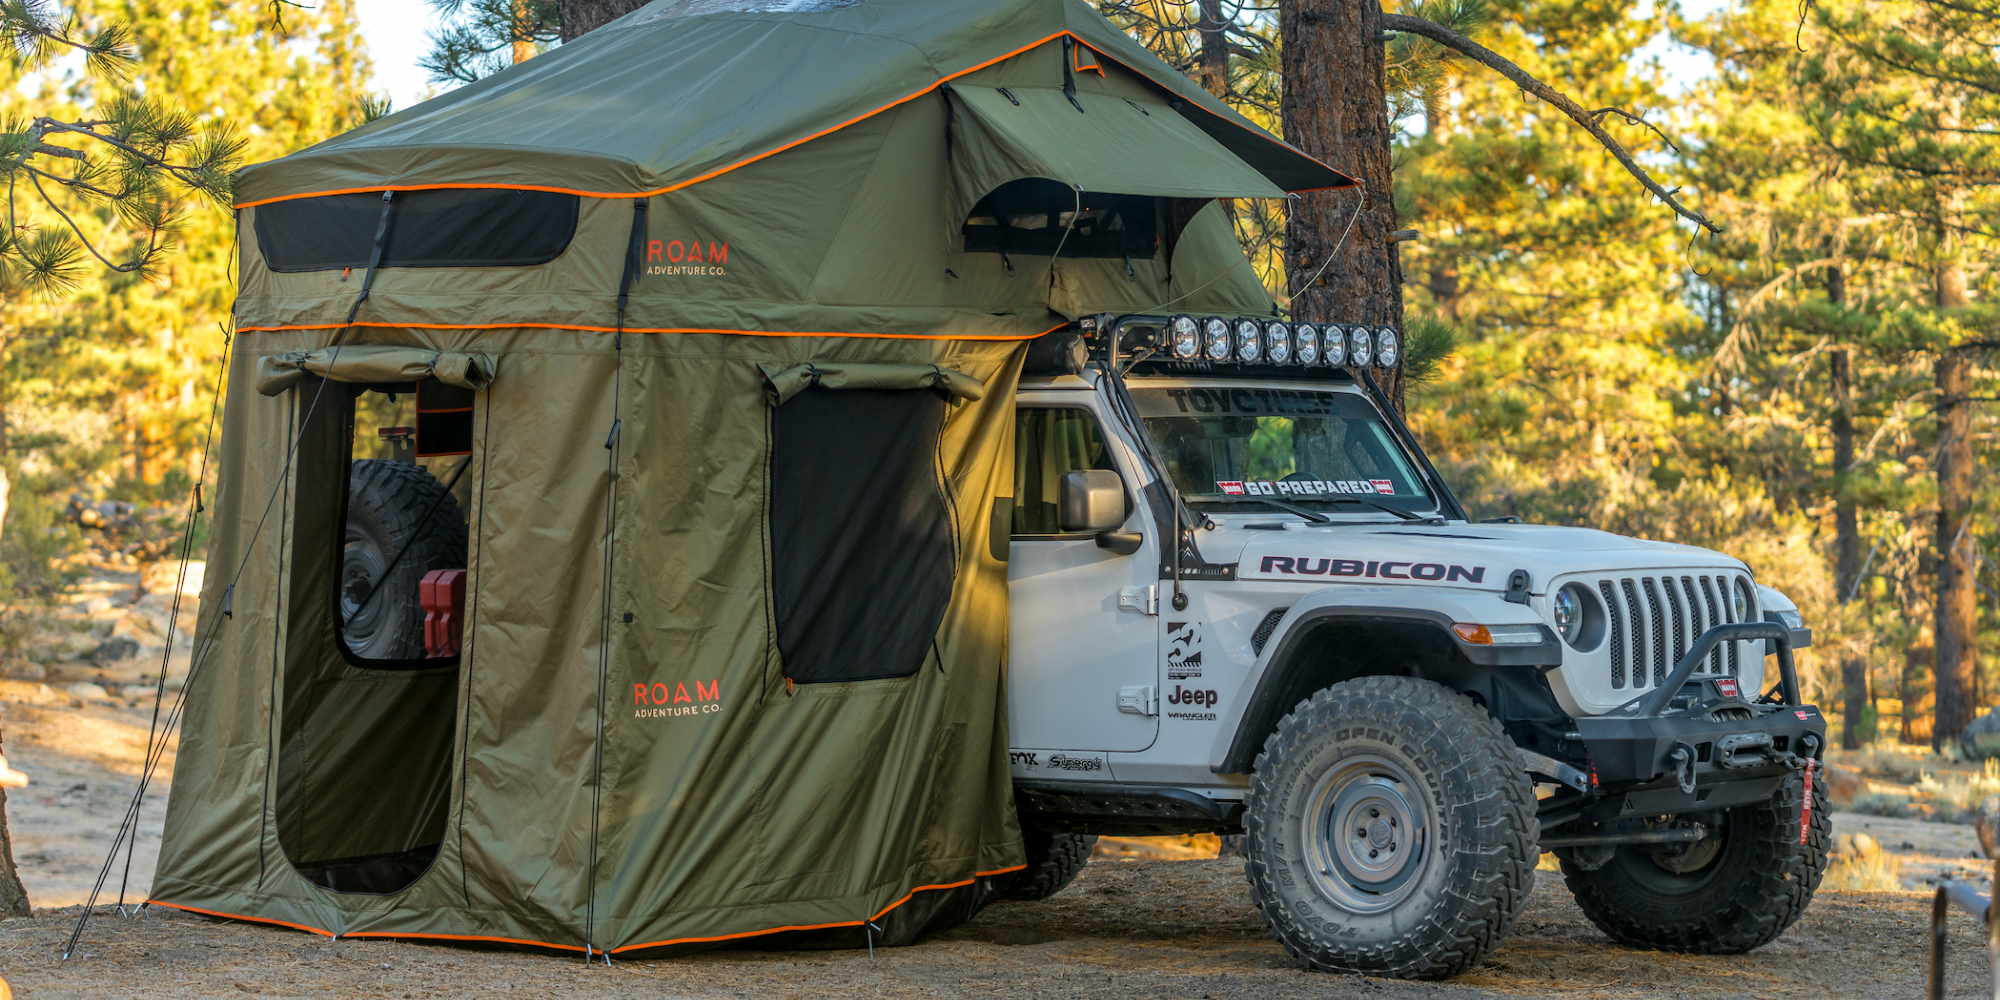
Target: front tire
(1389,831)
(1751,883)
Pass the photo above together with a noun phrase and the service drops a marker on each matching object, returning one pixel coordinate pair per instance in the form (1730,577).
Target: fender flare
(1244,743)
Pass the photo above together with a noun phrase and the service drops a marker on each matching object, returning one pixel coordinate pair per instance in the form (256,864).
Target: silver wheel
(1367,831)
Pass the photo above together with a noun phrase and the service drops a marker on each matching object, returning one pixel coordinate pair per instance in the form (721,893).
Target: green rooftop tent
(716,314)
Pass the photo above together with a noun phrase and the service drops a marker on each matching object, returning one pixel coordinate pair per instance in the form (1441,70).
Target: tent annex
(604,556)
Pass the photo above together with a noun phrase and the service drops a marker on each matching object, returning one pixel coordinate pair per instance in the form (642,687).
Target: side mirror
(1090,500)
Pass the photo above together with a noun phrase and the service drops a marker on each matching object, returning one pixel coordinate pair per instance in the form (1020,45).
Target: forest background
(1579,355)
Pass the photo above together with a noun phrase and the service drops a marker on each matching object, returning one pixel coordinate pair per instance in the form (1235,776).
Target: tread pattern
(389,500)
(1485,847)
(1054,860)
(1762,885)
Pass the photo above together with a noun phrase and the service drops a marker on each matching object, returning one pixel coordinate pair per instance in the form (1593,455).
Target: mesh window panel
(465,227)
(1617,615)
(862,539)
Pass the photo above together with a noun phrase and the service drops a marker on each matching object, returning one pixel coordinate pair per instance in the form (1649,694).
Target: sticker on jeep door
(1183,658)
(1375,569)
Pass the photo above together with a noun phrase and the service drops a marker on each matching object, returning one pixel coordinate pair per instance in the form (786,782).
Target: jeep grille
(1655,620)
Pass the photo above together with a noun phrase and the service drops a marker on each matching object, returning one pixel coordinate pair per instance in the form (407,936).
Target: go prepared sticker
(1302,488)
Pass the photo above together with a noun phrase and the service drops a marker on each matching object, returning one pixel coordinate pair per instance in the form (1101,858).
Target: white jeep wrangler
(1398,708)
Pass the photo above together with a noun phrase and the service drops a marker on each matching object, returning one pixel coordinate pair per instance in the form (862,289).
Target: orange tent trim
(570,947)
(814,927)
(719,171)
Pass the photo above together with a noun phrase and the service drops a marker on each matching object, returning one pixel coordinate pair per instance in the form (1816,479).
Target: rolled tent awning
(783,383)
(1004,134)
(374,363)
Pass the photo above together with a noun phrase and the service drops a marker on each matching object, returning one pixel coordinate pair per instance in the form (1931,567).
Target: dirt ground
(1167,929)
(1150,917)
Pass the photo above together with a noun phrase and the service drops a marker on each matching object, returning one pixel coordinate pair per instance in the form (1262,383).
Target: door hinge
(1139,700)
(1140,600)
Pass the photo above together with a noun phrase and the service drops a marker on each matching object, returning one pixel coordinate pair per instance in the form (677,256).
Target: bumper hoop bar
(1654,702)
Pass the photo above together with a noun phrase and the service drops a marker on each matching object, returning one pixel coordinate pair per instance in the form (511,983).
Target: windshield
(1224,445)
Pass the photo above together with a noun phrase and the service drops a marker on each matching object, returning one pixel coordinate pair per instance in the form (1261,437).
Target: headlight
(1306,344)
(1333,345)
(1278,343)
(1388,349)
(1249,341)
(1741,602)
(1186,335)
(1567,613)
(1359,346)
(1215,337)
(1578,616)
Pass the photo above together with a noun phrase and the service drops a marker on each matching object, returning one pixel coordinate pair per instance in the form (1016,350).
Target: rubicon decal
(1374,569)
(690,256)
(660,700)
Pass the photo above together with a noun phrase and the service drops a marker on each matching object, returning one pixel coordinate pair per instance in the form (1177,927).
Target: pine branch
(1492,60)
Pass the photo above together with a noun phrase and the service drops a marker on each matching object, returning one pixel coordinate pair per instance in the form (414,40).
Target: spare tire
(392,508)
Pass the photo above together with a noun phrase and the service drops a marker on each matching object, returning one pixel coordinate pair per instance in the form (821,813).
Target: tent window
(1030,216)
(477,227)
(365,751)
(1049,441)
(863,548)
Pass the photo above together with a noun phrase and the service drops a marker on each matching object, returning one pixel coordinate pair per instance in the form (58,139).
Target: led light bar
(1184,335)
(1215,338)
(1278,343)
(1305,344)
(1249,341)
(1360,346)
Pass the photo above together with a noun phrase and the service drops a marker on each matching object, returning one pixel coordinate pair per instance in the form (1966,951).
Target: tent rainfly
(712,320)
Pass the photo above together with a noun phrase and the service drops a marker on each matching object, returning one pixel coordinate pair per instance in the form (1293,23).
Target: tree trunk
(1335,108)
(524,42)
(578,17)
(1846,522)
(1213,67)
(1957,609)
(13,897)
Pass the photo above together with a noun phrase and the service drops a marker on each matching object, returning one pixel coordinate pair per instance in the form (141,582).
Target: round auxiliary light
(1278,343)
(1305,343)
(1215,338)
(1388,348)
(1249,341)
(1185,334)
(1360,346)
(1333,346)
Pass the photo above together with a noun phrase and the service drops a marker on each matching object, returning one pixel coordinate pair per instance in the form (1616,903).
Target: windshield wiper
(1379,505)
(1310,515)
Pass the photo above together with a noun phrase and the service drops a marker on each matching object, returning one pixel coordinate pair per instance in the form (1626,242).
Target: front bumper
(1633,770)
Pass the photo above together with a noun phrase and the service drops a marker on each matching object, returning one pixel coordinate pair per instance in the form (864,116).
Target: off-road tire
(1054,860)
(387,504)
(1757,885)
(1475,864)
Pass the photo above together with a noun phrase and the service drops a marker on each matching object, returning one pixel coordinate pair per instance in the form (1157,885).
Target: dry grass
(1941,787)
(1861,865)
